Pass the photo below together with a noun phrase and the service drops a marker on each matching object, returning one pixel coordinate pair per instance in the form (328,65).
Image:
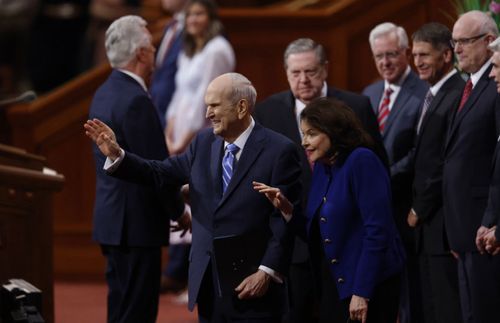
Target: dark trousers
(382,307)
(133,277)
(301,293)
(214,309)
(440,297)
(479,286)
(178,262)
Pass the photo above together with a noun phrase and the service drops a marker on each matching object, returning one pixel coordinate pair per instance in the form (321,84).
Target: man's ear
(448,56)
(242,108)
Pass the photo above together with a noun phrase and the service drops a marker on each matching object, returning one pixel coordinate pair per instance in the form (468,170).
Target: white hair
(242,88)
(494,46)
(484,21)
(123,38)
(387,28)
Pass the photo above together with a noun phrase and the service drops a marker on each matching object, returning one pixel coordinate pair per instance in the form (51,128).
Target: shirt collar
(474,77)
(435,88)
(242,139)
(135,77)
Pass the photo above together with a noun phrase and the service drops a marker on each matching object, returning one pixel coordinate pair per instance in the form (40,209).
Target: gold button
(327,240)
(340,280)
(334,261)
(322,219)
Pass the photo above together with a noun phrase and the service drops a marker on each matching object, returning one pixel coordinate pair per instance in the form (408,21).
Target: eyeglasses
(465,41)
(388,55)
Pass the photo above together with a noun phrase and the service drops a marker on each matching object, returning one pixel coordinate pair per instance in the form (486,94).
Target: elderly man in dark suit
(131,221)
(433,58)
(306,68)
(469,151)
(397,100)
(241,245)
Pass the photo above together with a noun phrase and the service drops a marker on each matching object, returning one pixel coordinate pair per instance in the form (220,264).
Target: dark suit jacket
(492,214)
(469,149)
(278,113)
(127,213)
(428,159)
(399,138)
(163,83)
(267,157)
(354,213)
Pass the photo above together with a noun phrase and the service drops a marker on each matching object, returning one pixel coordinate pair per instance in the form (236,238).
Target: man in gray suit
(397,100)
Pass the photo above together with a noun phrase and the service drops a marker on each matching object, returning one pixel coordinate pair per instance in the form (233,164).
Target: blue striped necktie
(228,164)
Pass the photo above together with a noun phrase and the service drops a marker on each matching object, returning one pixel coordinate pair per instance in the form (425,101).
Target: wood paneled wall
(52,125)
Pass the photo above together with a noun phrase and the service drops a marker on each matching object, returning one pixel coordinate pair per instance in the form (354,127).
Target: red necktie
(465,95)
(383,110)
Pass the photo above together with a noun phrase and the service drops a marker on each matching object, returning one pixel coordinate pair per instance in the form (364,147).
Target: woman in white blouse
(206,54)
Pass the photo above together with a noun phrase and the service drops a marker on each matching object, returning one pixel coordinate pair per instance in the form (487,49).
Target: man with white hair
(131,221)
(397,100)
(468,155)
(241,246)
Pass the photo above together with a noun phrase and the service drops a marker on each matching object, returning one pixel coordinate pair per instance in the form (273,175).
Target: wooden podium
(26,188)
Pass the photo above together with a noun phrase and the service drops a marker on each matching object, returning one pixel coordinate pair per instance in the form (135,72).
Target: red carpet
(85,302)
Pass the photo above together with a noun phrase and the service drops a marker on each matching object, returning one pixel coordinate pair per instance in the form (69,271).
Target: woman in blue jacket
(355,249)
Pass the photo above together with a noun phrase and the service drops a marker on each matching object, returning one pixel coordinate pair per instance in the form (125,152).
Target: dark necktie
(383,110)
(465,95)
(427,103)
(228,164)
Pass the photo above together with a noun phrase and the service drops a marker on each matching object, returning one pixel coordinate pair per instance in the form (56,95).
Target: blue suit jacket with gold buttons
(352,202)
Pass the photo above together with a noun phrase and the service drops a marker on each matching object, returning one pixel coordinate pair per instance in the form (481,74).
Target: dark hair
(215,27)
(438,35)
(335,119)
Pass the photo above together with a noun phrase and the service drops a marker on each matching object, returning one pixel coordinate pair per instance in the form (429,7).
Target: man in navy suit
(433,58)
(241,246)
(306,68)
(163,81)
(397,100)
(131,221)
(469,152)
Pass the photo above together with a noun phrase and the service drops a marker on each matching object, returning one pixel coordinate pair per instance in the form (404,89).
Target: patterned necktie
(427,103)
(227,165)
(383,110)
(466,94)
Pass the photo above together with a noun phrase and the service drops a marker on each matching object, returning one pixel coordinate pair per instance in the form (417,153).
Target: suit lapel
(403,96)
(251,151)
(474,96)
(290,117)
(216,165)
(375,99)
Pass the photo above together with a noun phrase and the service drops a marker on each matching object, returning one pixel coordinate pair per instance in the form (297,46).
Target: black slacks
(133,277)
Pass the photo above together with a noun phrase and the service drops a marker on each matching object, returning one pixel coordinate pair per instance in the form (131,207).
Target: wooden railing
(52,125)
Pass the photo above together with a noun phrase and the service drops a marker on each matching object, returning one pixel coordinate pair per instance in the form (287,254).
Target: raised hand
(275,196)
(104,138)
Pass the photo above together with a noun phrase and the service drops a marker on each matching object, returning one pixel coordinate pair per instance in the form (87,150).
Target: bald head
(471,35)
(230,99)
